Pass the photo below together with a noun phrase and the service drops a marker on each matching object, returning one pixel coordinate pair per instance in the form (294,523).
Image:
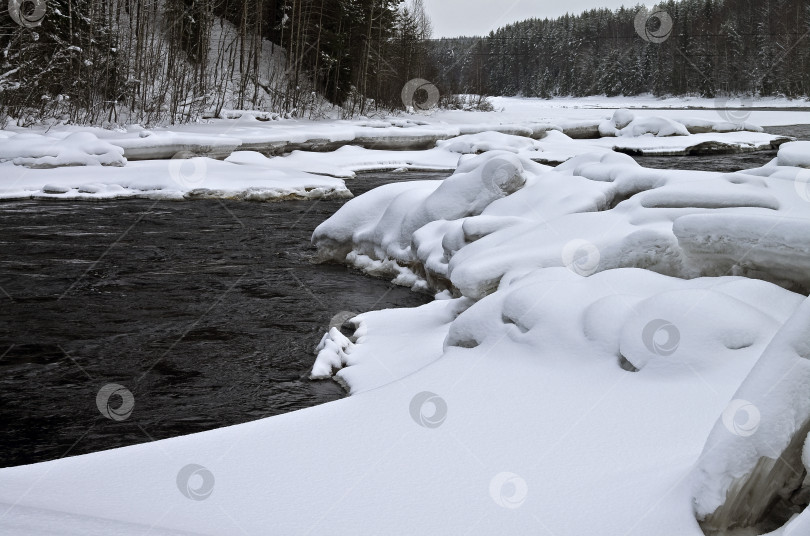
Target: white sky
(452,18)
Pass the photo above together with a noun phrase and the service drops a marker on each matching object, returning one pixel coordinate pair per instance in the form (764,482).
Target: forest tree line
(151,61)
(711,48)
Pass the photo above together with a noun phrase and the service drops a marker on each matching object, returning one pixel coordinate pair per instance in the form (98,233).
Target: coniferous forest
(149,61)
(172,60)
(708,48)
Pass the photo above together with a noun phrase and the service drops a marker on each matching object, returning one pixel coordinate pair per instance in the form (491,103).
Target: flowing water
(206,311)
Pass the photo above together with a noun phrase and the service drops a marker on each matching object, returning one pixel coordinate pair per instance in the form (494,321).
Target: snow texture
(76,149)
(501,212)
(753,454)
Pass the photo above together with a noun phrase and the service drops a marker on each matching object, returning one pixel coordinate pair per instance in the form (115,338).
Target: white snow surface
(219,137)
(311,153)
(528,118)
(765,112)
(767,410)
(598,216)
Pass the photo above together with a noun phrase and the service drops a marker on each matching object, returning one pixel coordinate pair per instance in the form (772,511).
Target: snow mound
(76,149)
(625,123)
(380,224)
(795,154)
(489,141)
(651,321)
(501,212)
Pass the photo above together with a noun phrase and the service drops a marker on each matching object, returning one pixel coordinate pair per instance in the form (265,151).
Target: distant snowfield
(613,350)
(793,111)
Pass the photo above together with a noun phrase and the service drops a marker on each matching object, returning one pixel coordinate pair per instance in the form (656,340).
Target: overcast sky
(452,18)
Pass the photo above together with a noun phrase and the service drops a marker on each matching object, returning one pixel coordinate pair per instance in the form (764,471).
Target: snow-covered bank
(218,137)
(653,102)
(502,221)
(765,112)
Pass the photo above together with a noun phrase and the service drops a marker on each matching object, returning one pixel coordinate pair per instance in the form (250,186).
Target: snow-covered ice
(336,149)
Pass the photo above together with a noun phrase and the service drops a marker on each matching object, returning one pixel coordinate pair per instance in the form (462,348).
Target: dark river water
(206,311)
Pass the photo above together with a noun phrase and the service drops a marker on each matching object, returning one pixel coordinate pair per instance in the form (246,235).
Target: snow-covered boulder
(795,154)
(625,123)
(76,149)
(752,470)
(593,213)
(489,141)
(380,225)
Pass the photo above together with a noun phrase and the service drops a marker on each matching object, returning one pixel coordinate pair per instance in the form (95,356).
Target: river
(206,311)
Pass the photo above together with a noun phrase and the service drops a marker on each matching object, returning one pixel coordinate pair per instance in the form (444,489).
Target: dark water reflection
(206,311)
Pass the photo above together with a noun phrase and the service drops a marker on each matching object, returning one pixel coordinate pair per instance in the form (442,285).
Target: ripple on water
(201,310)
